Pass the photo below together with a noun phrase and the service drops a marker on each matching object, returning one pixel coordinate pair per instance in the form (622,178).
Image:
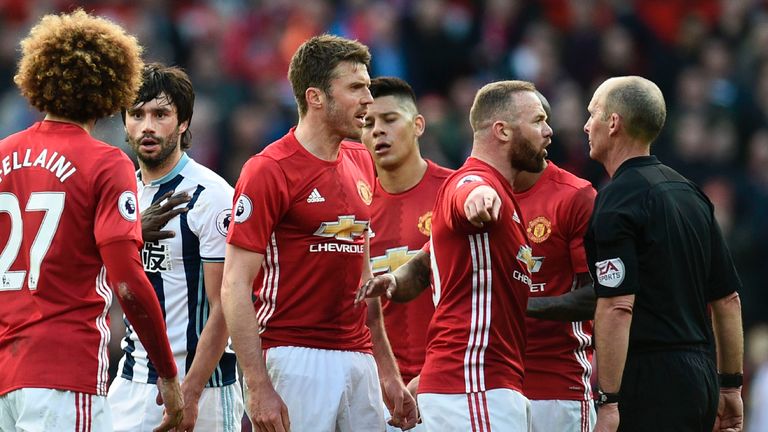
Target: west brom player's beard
(525,157)
(166,145)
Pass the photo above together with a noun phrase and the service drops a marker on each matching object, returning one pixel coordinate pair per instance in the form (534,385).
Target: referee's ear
(615,124)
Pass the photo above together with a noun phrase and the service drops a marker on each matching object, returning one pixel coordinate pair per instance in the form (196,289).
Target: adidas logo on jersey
(315,197)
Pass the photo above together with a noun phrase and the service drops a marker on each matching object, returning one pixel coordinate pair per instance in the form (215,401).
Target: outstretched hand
(154,218)
(482,205)
(385,284)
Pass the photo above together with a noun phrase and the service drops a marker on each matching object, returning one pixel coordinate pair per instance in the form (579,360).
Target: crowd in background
(709,57)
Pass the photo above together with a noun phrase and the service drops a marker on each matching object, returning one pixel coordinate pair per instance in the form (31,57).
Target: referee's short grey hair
(639,102)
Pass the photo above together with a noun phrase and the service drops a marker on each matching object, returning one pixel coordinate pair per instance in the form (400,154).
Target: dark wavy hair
(157,78)
(79,66)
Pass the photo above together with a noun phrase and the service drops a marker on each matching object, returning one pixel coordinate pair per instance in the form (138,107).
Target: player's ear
(420,124)
(183,126)
(501,130)
(315,97)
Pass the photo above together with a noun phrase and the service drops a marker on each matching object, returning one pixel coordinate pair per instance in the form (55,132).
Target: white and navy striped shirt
(174,266)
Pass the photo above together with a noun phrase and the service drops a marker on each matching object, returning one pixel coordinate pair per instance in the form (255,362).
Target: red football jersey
(558,357)
(476,338)
(402,223)
(308,217)
(62,195)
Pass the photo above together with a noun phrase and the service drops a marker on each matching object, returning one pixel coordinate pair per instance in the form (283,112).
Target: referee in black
(658,260)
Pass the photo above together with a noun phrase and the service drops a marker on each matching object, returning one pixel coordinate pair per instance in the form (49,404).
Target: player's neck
(404,177)
(318,138)
(499,161)
(87,126)
(525,180)
(150,174)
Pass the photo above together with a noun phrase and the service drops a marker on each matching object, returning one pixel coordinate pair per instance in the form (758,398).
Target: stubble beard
(525,157)
(167,147)
(339,121)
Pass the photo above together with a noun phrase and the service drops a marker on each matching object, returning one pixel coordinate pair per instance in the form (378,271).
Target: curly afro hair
(79,67)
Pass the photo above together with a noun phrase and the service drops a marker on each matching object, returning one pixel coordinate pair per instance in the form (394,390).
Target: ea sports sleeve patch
(610,272)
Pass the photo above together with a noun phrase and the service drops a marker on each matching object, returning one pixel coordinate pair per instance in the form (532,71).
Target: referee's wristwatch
(606,398)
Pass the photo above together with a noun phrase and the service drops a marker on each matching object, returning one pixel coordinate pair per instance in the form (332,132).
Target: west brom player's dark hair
(392,86)
(175,84)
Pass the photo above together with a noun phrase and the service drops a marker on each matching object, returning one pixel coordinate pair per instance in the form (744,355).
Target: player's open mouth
(148,143)
(360,119)
(381,148)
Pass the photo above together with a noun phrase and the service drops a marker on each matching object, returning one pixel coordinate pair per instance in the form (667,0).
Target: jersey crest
(425,223)
(364,189)
(539,229)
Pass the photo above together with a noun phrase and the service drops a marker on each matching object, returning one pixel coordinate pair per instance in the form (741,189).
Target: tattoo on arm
(412,278)
(423,270)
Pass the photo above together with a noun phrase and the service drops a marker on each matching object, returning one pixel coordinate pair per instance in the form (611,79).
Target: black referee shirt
(653,234)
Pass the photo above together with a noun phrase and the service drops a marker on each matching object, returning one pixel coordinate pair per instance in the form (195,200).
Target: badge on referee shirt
(610,272)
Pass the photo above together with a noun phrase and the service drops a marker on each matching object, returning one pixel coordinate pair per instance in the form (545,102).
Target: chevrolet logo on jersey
(525,256)
(392,259)
(346,228)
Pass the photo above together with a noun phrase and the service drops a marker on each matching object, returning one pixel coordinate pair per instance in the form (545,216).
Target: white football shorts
(44,410)
(327,390)
(220,409)
(563,415)
(497,410)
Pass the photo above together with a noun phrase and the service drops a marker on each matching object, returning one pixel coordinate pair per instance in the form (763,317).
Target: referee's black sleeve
(723,278)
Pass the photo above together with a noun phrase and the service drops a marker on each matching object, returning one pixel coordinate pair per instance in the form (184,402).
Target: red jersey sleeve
(117,209)
(139,303)
(261,200)
(458,193)
(578,214)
